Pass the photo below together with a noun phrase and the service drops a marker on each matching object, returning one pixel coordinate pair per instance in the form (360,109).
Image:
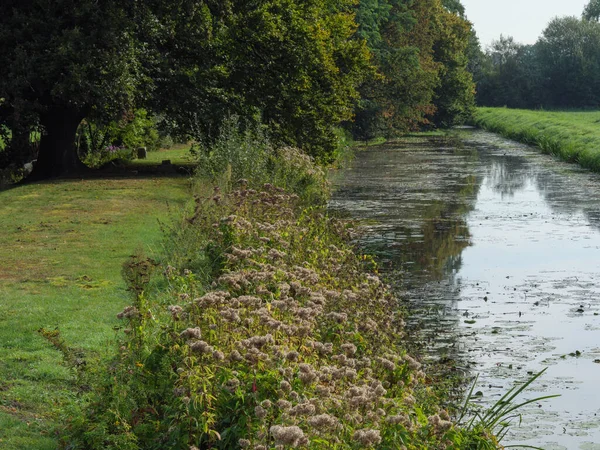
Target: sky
(522,19)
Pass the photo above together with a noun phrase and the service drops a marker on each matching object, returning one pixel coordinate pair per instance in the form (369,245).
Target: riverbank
(573,136)
(62,246)
(255,322)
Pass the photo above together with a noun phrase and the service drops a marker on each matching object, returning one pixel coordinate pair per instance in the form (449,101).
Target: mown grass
(62,247)
(179,154)
(573,136)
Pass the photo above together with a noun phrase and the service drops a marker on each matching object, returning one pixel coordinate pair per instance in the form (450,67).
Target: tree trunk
(58,152)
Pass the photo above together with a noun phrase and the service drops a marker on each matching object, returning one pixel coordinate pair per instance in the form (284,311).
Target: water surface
(497,248)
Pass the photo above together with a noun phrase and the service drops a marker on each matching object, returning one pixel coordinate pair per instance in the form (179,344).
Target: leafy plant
(497,419)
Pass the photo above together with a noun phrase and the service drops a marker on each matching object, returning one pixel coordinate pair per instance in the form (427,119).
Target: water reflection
(496,248)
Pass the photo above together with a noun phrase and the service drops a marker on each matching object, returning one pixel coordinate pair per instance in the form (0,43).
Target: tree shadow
(113,171)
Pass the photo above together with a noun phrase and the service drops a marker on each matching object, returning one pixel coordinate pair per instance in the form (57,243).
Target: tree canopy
(300,68)
(420,51)
(591,11)
(561,70)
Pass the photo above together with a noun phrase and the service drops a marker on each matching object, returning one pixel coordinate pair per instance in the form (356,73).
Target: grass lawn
(62,244)
(573,136)
(179,154)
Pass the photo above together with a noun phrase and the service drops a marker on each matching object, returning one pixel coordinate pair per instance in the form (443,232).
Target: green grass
(62,246)
(179,154)
(573,136)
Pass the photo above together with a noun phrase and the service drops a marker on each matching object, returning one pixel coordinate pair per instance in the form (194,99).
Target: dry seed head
(324,422)
(201,347)
(367,437)
(260,412)
(412,363)
(293,435)
(191,333)
(129,312)
(266,404)
(349,348)
(303,409)
(284,405)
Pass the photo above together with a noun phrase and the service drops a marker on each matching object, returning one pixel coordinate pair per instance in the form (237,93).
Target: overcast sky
(522,19)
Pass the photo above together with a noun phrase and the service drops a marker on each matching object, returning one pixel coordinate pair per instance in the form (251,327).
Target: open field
(573,136)
(61,250)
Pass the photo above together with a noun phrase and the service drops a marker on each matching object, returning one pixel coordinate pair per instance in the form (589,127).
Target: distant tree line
(561,70)
(419,50)
(299,68)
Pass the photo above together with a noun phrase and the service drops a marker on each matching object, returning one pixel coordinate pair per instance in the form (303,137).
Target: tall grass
(573,136)
(497,419)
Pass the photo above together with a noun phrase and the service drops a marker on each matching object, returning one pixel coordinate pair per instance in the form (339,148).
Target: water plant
(496,420)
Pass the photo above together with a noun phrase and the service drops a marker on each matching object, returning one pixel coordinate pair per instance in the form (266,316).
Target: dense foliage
(299,68)
(561,70)
(420,53)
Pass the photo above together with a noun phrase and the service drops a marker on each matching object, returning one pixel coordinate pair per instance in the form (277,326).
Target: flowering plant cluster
(288,339)
(113,148)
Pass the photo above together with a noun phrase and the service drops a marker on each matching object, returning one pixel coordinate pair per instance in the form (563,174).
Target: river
(496,252)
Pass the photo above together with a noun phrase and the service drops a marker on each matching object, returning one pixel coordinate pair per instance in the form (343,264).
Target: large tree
(569,56)
(59,61)
(455,96)
(419,49)
(292,64)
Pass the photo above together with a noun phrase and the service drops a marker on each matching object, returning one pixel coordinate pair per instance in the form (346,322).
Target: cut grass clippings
(573,136)
(62,247)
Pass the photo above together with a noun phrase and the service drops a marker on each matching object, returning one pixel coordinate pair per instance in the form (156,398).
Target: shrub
(99,143)
(261,329)
(248,155)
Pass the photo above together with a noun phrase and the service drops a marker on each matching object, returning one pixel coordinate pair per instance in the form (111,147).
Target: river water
(496,248)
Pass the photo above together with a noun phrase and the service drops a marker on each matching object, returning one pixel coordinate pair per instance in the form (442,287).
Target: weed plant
(573,136)
(248,155)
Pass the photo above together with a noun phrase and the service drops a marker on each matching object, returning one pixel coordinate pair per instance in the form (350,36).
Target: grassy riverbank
(573,136)
(62,247)
(256,324)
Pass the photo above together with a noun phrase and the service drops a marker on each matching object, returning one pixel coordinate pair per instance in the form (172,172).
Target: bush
(293,343)
(248,155)
(100,143)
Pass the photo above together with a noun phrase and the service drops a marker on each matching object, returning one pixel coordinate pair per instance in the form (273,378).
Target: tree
(59,61)
(591,11)
(569,55)
(298,64)
(293,64)
(419,49)
(510,75)
(455,96)
(454,6)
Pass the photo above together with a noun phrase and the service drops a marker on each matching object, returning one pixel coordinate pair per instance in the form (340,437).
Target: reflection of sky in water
(533,228)
(552,259)
(522,232)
